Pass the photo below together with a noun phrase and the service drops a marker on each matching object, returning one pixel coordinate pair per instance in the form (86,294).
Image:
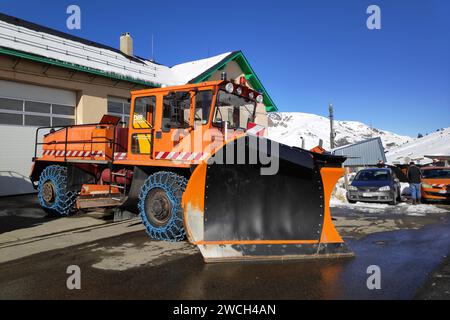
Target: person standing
(414,178)
(381,164)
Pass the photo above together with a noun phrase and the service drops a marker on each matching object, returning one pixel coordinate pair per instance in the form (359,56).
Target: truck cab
(188,122)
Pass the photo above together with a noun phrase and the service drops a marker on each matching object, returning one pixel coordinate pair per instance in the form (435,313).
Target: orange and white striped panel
(256,130)
(181,156)
(120,156)
(71,153)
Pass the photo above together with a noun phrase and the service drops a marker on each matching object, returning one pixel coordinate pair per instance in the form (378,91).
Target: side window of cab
(143,116)
(203,101)
(176,110)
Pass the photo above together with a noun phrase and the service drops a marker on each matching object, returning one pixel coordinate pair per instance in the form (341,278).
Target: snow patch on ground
(152,253)
(339,199)
(400,208)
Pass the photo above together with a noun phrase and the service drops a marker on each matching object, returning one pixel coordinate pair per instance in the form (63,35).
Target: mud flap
(234,210)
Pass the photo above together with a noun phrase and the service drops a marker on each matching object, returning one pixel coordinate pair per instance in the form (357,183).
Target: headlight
(385,188)
(352,188)
(251,95)
(426,185)
(239,90)
(229,87)
(259,98)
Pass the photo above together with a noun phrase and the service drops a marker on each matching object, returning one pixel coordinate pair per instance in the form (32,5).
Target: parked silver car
(374,185)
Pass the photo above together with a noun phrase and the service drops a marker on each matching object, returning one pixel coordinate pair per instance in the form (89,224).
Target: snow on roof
(30,38)
(433,144)
(190,70)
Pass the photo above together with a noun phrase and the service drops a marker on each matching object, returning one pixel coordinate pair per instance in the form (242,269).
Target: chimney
(126,44)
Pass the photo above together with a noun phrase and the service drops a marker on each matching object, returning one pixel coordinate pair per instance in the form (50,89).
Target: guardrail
(112,141)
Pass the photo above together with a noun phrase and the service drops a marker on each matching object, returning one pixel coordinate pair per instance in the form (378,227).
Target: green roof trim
(250,75)
(63,64)
(236,56)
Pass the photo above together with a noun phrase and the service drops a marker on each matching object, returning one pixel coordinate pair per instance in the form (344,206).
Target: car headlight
(426,185)
(352,188)
(260,99)
(385,188)
(239,90)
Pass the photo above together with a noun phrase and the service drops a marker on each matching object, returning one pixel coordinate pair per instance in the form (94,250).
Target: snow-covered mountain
(289,127)
(436,143)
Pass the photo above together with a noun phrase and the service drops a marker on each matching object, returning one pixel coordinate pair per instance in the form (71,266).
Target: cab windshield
(372,175)
(236,110)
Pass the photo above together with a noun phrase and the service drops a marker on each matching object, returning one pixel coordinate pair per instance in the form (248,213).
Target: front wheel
(160,206)
(53,195)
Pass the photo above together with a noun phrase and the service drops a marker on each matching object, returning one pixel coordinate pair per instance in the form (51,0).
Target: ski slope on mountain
(290,127)
(436,143)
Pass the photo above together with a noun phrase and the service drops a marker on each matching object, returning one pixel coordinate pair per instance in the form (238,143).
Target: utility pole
(153,53)
(331,116)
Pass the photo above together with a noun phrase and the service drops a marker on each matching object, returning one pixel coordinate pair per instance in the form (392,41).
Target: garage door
(23,108)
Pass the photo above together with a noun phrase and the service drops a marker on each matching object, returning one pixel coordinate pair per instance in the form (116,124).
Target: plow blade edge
(239,208)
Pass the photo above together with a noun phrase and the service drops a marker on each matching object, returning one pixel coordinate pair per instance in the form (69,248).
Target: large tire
(52,191)
(160,206)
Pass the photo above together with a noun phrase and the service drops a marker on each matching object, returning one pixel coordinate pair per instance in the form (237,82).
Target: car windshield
(372,175)
(436,174)
(237,110)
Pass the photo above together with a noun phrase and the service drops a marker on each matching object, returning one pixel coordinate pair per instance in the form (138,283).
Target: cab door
(173,126)
(142,126)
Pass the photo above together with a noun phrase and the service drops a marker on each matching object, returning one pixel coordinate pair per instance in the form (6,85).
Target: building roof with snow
(31,41)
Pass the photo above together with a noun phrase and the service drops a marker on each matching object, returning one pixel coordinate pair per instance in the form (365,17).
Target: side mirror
(165,127)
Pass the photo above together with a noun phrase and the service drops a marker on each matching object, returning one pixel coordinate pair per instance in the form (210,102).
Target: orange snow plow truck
(193,164)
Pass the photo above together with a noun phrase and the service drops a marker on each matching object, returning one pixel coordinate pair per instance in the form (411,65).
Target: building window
(119,107)
(34,113)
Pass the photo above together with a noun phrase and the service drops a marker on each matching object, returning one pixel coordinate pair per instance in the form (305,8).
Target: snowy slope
(436,143)
(288,127)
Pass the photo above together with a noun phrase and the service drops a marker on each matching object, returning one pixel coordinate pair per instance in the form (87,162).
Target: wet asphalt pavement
(111,269)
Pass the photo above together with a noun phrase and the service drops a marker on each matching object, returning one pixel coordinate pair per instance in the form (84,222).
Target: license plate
(367,195)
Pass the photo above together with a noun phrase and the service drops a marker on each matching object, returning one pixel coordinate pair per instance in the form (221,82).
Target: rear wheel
(160,206)
(53,195)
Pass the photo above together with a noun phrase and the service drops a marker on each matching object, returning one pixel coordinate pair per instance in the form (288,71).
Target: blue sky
(307,53)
